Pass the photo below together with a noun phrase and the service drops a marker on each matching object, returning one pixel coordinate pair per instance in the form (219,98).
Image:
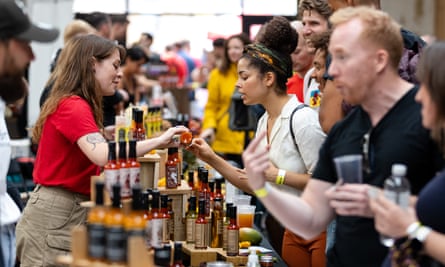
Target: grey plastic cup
(349,168)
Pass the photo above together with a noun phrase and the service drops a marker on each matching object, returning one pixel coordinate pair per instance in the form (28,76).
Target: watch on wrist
(422,233)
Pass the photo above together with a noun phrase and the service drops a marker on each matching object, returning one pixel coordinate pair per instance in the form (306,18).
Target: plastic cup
(245,215)
(349,168)
(241,200)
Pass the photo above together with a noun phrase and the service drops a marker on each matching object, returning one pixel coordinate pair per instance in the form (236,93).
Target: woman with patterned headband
(294,135)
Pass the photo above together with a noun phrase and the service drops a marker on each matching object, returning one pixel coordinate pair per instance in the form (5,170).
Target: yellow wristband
(280,176)
(262,192)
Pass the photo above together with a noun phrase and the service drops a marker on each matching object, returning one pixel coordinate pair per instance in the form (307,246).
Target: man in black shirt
(366,46)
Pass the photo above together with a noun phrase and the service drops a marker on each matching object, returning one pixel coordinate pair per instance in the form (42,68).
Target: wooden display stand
(137,254)
(179,198)
(150,169)
(197,256)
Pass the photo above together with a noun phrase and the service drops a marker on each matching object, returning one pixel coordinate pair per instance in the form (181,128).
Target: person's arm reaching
(234,175)
(306,216)
(95,147)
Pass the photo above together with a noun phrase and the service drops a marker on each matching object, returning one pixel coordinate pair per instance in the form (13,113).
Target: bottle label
(232,242)
(400,198)
(206,196)
(171,172)
(134,176)
(116,247)
(96,241)
(165,231)
(124,179)
(225,231)
(111,177)
(154,233)
(171,226)
(219,226)
(190,226)
(200,237)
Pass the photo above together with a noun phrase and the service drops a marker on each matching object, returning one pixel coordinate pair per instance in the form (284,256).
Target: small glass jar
(266,261)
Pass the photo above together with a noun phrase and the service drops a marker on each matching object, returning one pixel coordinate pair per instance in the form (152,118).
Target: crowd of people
(345,78)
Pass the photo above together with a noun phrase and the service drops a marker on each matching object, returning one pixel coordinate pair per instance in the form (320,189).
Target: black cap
(14,23)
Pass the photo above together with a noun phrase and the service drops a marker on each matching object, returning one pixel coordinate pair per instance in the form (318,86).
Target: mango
(251,235)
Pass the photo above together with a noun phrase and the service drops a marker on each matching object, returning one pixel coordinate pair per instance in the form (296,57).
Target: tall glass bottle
(124,171)
(154,228)
(116,249)
(218,189)
(177,255)
(146,211)
(217,224)
(133,164)
(165,218)
(96,226)
(111,169)
(191,180)
(204,191)
(134,223)
(172,168)
(226,224)
(200,227)
(232,233)
(171,220)
(190,221)
(139,131)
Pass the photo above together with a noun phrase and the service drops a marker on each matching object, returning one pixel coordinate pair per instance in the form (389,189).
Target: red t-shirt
(59,160)
(295,86)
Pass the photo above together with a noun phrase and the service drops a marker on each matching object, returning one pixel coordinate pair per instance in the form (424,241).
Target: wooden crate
(150,168)
(197,256)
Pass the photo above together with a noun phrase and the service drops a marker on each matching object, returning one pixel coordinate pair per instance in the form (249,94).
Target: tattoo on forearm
(95,138)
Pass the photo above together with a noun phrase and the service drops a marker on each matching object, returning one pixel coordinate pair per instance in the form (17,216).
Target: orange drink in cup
(245,215)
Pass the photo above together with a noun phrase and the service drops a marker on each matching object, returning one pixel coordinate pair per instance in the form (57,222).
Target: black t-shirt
(398,138)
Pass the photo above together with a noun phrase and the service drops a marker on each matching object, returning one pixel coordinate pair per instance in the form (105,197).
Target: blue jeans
(7,245)
(330,235)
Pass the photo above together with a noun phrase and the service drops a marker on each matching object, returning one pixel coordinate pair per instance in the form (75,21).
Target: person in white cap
(16,33)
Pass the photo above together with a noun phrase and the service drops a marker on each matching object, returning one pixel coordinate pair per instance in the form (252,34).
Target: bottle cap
(398,169)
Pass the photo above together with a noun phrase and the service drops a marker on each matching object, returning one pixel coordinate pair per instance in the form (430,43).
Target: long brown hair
(74,76)
(225,64)
(429,72)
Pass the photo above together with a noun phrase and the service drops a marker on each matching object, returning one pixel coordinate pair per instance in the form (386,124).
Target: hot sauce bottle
(165,219)
(139,131)
(217,224)
(133,164)
(204,191)
(96,226)
(190,220)
(134,223)
(232,233)
(200,227)
(124,171)
(172,168)
(116,249)
(111,169)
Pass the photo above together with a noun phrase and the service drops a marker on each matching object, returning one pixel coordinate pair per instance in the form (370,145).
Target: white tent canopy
(160,7)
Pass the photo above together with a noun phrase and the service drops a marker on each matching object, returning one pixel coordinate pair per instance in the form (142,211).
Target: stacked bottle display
(207,223)
(123,170)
